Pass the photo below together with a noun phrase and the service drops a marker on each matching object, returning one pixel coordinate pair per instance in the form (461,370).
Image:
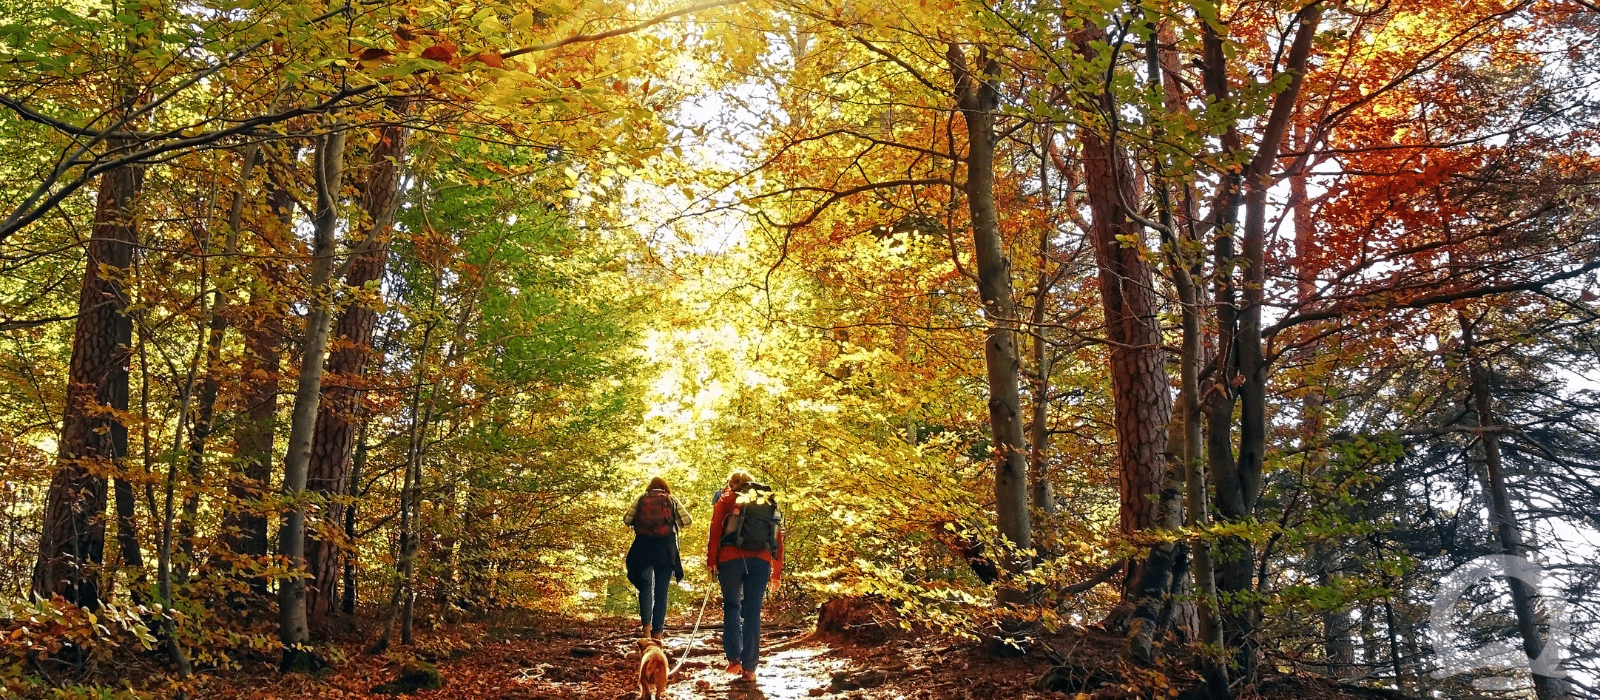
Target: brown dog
(652,669)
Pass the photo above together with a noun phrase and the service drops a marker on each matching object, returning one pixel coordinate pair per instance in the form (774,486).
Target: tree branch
(836,196)
(896,59)
(581,38)
(1431,300)
(12,324)
(31,209)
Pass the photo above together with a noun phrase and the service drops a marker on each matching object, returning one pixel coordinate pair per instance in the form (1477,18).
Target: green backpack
(755,520)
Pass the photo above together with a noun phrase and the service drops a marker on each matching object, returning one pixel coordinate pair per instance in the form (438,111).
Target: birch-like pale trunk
(292,627)
(977,99)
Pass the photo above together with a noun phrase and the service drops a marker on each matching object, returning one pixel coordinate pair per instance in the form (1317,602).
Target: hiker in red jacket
(745,553)
(656,517)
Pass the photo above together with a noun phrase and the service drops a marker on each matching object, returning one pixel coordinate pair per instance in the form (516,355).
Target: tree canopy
(1233,328)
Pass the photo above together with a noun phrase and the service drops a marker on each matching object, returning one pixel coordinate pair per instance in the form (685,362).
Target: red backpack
(655,516)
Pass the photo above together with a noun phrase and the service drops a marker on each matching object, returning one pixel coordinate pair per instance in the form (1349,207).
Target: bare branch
(582,38)
(31,209)
(896,59)
(12,324)
(1354,304)
(836,196)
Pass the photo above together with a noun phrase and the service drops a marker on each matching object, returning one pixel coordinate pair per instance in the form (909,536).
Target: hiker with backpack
(656,517)
(745,554)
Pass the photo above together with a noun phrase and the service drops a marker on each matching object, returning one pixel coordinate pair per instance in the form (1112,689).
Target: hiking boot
(656,635)
(735,669)
(748,676)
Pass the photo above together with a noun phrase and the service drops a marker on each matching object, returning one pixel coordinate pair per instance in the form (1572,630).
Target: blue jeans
(656,581)
(744,587)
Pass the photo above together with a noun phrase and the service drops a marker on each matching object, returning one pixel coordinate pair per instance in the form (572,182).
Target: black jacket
(653,553)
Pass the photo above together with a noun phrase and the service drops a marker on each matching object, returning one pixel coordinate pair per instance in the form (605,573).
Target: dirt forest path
(544,657)
(796,664)
(793,666)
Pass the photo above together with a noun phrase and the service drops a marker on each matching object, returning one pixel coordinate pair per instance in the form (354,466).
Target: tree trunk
(357,465)
(1337,626)
(164,563)
(1220,394)
(1189,414)
(1143,403)
(1238,482)
(449,579)
(400,603)
(1043,493)
(72,536)
(292,627)
(206,404)
(245,526)
(1338,648)
(977,100)
(338,414)
(1546,685)
(127,540)
(1168,561)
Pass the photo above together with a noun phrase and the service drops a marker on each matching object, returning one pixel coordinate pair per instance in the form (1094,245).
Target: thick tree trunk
(245,525)
(127,541)
(1168,561)
(72,537)
(1545,685)
(338,414)
(1143,403)
(977,100)
(292,626)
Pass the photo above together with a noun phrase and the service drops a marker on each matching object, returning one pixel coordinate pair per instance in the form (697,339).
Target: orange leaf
(443,51)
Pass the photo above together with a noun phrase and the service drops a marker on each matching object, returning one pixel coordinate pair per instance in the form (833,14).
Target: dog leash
(692,635)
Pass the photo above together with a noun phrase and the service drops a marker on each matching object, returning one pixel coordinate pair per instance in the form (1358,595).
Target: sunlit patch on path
(784,675)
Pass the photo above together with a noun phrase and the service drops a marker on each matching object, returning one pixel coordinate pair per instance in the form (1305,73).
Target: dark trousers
(744,587)
(653,582)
